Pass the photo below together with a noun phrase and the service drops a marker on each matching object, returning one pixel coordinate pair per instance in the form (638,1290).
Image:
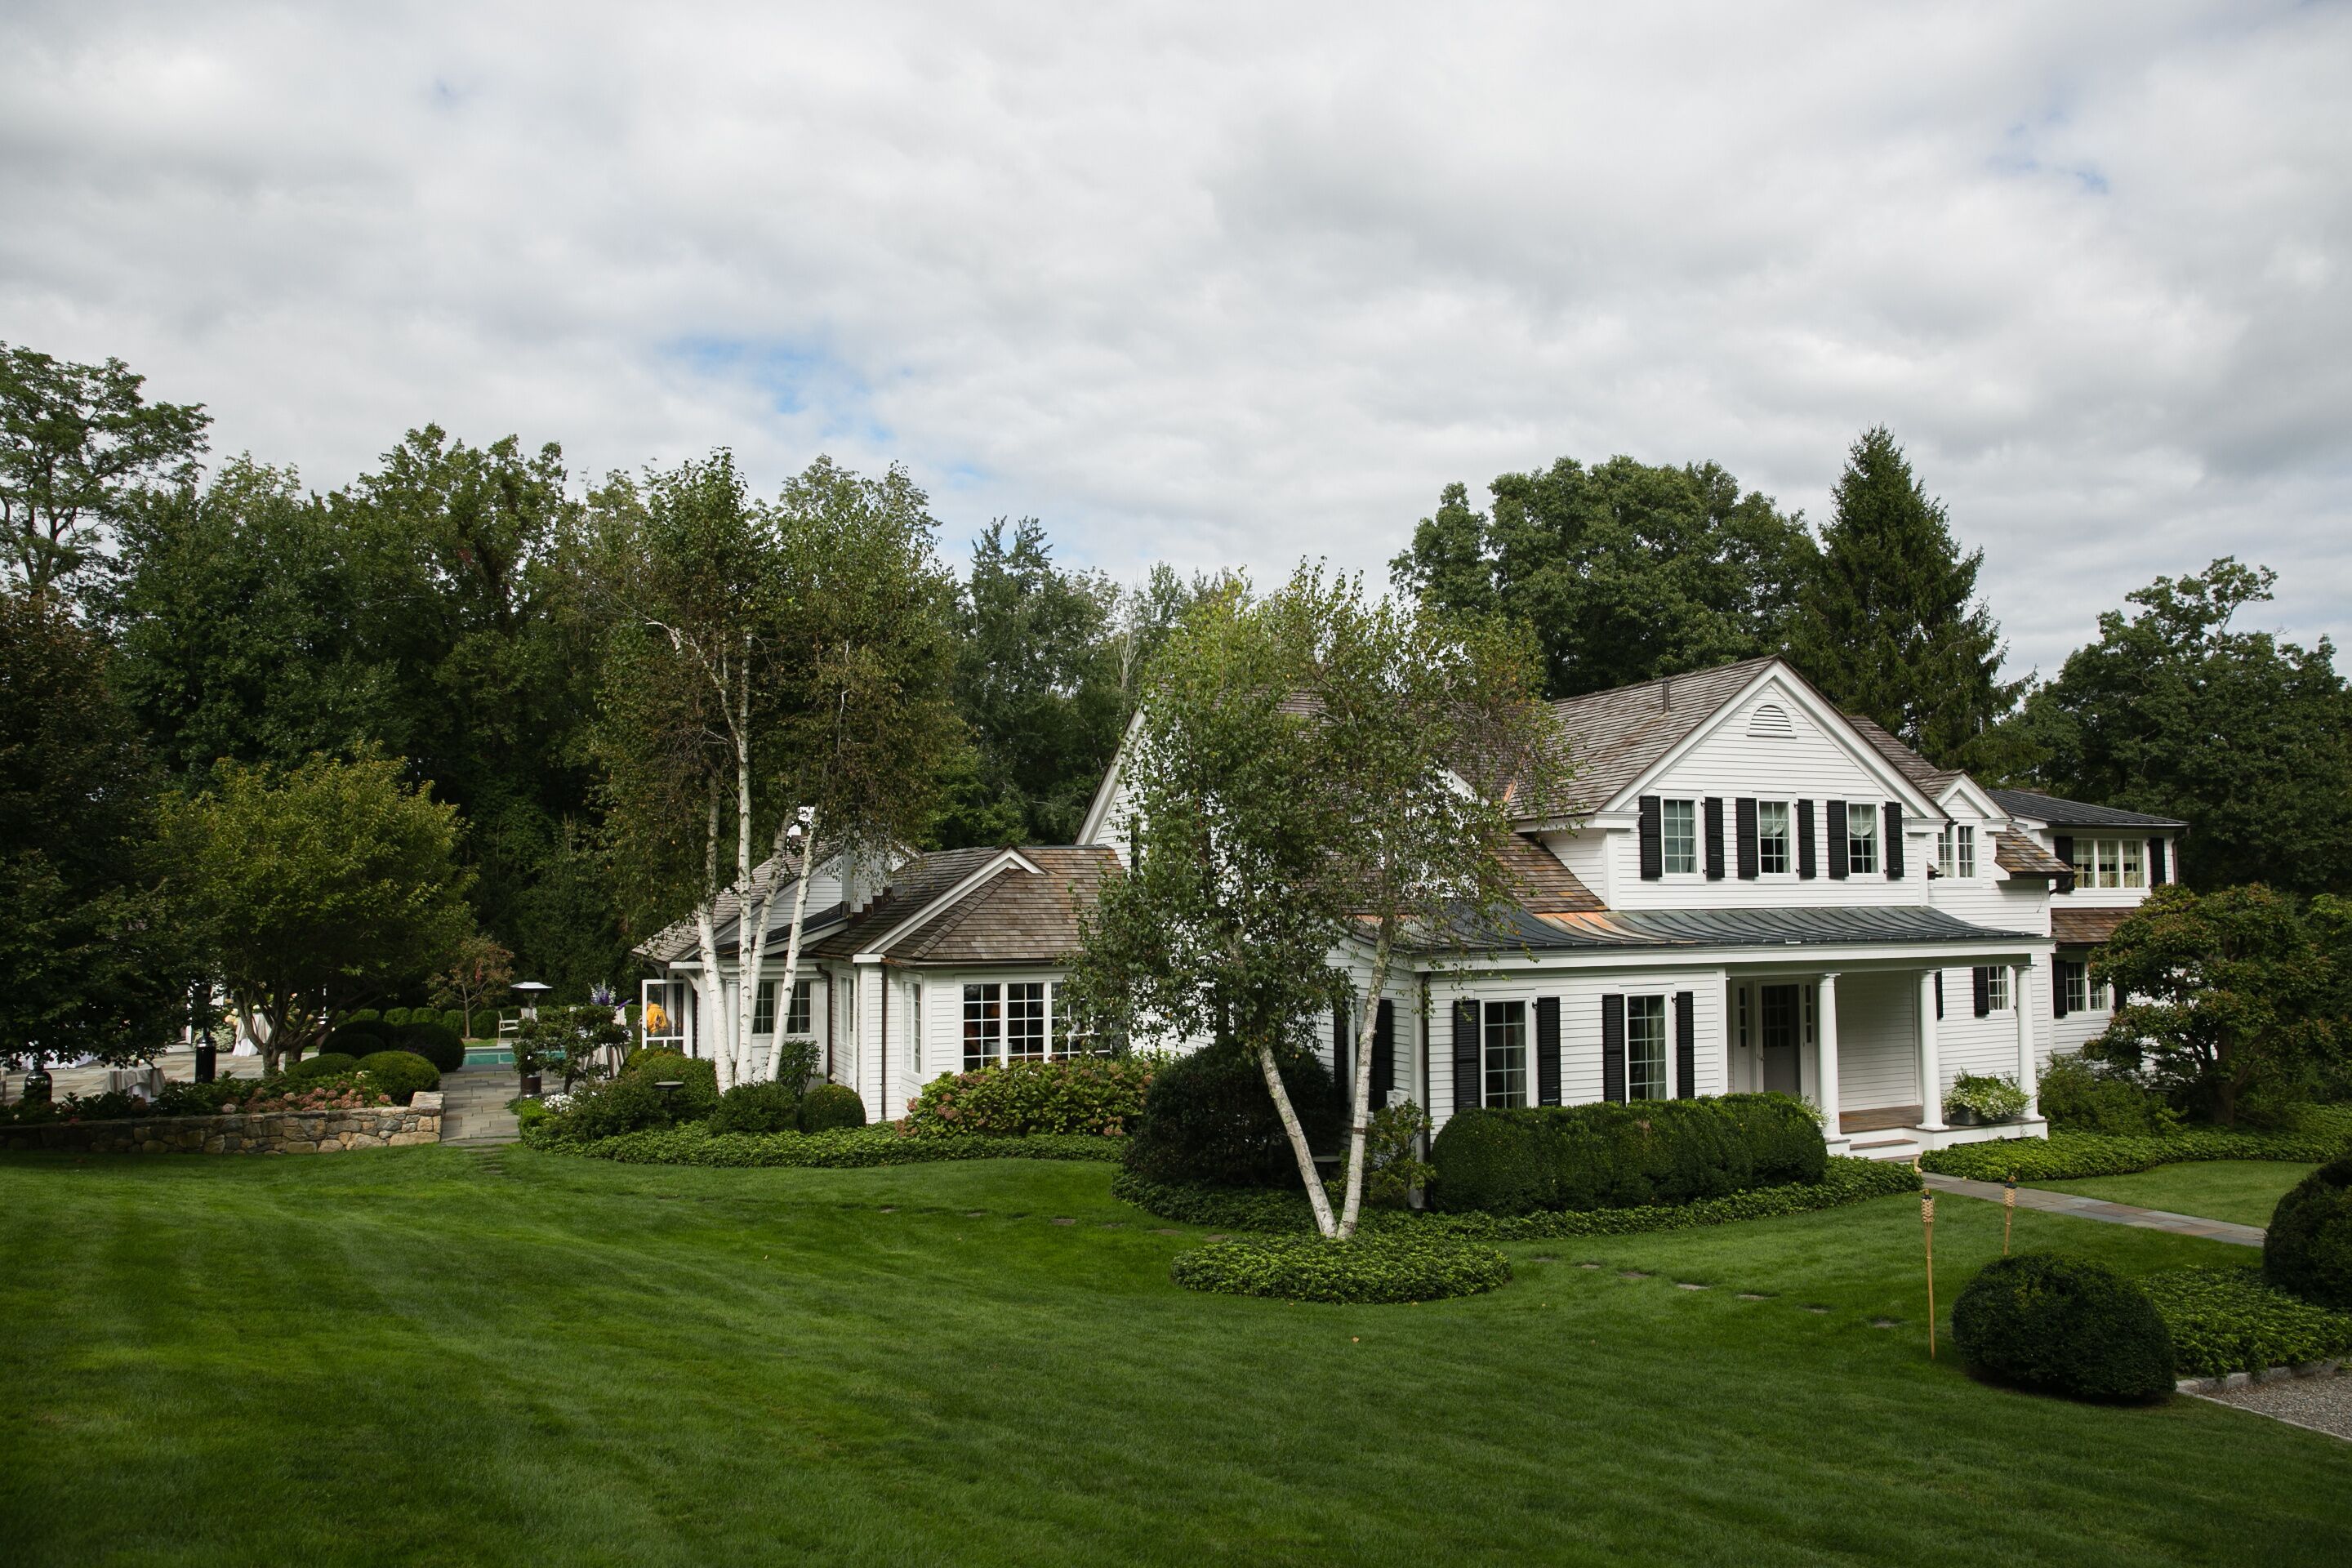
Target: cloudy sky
(1243,284)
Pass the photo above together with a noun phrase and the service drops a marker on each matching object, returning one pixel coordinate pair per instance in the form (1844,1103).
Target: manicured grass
(433,1356)
(2243,1192)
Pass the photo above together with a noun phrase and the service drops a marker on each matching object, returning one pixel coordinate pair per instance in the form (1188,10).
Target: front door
(1783,1038)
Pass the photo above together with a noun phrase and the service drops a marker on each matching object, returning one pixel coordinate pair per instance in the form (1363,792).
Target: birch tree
(1313,771)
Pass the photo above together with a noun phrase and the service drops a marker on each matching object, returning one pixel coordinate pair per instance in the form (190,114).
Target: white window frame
(1861,844)
(1638,1085)
(1788,811)
(2110,863)
(1504,1082)
(763,1009)
(2078,986)
(1997,991)
(2102,997)
(1054,1039)
(1668,810)
(1956,851)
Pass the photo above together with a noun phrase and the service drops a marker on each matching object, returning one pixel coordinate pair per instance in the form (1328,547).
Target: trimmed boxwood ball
(436,1045)
(358,1037)
(2309,1250)
(326,1064)
(767,1107)
(1207,1117)
(395,1016)
(400,1074)
(831,1105)
(1368,1267)
(454,1020)
(697,1095)
(2063,1325)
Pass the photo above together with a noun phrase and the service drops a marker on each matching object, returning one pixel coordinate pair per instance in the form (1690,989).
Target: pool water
(487,1056)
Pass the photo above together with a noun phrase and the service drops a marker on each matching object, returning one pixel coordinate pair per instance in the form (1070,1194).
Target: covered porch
(1865,1044)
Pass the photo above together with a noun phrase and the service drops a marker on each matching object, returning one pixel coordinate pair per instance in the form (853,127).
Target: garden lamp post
(200,1030)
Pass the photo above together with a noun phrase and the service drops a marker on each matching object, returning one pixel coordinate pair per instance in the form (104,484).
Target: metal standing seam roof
(2035,806)
(1698,929)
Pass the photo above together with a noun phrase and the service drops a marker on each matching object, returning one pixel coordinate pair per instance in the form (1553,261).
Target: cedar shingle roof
(2035,806)
(2019,855)
(679,940)
(1545,886)
(1614,737)
(1015,916)
(2086,928)
(1932,780)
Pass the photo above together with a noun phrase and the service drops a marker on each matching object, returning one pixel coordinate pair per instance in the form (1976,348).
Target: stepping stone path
(1752,1296)
(474,1113)
(2081,1207)
(1685,1285)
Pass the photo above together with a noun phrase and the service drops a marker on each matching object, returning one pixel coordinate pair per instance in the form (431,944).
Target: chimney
(1666,694)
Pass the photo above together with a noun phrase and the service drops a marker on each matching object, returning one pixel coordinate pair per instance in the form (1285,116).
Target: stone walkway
(2081,1208)
(474,1113)
(2321,1403)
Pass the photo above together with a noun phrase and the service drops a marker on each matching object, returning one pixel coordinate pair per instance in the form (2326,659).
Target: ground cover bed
(2320,1132)
(2242,1192)
(443,1356)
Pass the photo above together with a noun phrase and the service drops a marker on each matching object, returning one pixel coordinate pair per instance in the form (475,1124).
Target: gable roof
(681,938)
(1615,737)
(2057,812)
(1932,780)
(979,906)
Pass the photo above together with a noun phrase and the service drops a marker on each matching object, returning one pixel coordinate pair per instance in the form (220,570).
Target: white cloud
(1237,284)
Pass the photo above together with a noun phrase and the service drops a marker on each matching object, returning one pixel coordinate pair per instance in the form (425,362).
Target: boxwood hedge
(693,1144)
(2228,1319)
(2320,1133)
(2309,1250)
(2064,1325)
(1377,1268)
(1845,1180)
(1611,1155)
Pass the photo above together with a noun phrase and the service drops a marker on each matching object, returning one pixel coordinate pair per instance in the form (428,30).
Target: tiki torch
(2007,1210)
(1927,1227)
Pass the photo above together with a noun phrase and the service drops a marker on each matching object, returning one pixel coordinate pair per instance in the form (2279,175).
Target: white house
(1741,888)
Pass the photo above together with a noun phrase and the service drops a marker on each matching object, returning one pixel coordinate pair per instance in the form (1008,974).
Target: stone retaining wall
(284,1132)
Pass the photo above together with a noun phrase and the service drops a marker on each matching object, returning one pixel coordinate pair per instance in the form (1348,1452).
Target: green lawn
(434,1357)
(2242,1191)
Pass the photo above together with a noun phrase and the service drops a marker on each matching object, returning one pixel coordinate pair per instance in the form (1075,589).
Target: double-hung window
(1505,1026)
(2110,863)
(1645,1049)
(1773,837)
(1861,840)
(1956,851)
(1995,979)
(796,1016)
(2100,997)
(1678,836)
(2078,986)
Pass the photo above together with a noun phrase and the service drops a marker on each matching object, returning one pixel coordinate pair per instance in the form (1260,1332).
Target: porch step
(1885,1148)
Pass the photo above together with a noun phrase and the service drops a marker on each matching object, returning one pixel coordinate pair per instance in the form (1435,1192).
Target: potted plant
(1977,1100)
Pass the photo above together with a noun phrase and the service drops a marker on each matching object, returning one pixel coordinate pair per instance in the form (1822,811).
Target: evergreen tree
(1888,625)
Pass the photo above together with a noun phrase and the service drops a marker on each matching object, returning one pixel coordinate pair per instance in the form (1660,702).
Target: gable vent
(1770,719)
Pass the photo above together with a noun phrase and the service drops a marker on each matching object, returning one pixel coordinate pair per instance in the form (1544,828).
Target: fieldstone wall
(297,1133)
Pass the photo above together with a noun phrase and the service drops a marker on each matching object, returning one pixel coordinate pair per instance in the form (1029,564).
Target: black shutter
(1940,993)
(1383,1054)
(1806,867)
(2066,849)
(1715,838)
(1343,1050)
(1467,1090)
(1685,1047)
(1546,1051)
(1983,977)
(2058,972)
(1612,1048)
(1893,842)
(1835,810)
(2155,862)
(1743,814)
(1653,847)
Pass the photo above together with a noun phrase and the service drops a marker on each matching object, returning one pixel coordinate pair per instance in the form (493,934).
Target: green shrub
(2320,1134)
(1846,1179)
(1393,1168)
(831,1106)
(2063,1325)
(857,1148)
(1989,1098)
(400,1074)
(1207,1117)
(357,1038)
(2228,1319)
(757,1108)
(1381,1267)
(1611,1155)
(2308,1249)
(1101,1095)
(454,1020)
(2077,1097)
(529,1115)
(648,1061)
(396,1016)
(366,1016)
(436,1045)
(627,1104)
(326,1064)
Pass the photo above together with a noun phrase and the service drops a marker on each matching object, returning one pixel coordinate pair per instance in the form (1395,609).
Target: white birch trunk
(1317,1198)
(793,951)
(709,1004)
(738,1054)
(1352,1206)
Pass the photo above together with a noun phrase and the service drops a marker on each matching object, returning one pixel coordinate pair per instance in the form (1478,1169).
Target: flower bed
(2322,1134)
(2227,1319)
(854,1148)
(1846,1181)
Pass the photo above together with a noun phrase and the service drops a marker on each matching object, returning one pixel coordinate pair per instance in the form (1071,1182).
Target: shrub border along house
(691,1143)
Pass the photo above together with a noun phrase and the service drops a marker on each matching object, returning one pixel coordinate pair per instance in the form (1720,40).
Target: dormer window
(2108,862)
(1956,851)
(1861,840)
(1678,836)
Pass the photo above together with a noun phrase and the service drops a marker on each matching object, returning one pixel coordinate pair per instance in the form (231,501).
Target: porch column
(1931,1065)
(1827,1029)
(2020,992)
